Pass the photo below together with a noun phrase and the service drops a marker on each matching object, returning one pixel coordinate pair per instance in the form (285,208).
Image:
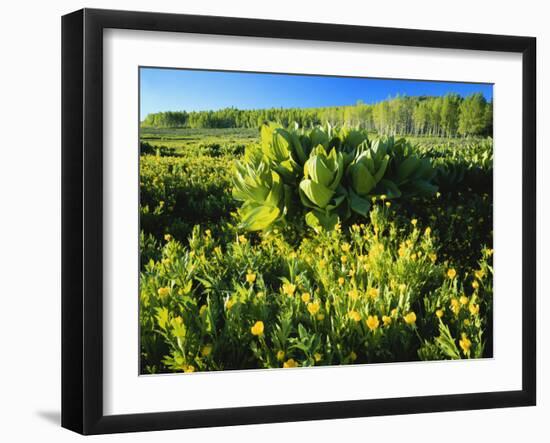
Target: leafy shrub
(149,149)
(178,192)
(327,175)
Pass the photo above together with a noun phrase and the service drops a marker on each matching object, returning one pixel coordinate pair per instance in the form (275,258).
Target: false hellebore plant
(324,174)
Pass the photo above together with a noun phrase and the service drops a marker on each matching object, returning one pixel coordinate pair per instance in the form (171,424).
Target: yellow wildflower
(306,297)
(427,231)
(281,355)
(206,350)
(402,287)
(322,263)
(167,237)
(433,257)
(372,322)
(474,308)
(317,356)
(230,304)
(387,320)
(463,300)
(353,294)
(202,309)
(250,277)
(467,322)
(341,281)
(345,247)
(163,292)
(189,368)
(388,204)
(242,239)
(208,233)
(465,343)
(451,273)
(290,363)
(258,328)
(402,251)
(373,292)
(393,312)
(414,221)
(354,315)
(383,197)
(439,313)
(320,317)
(343,259)
(313,308)
(475,284)
(288,289)
(410,318)
(480,274)
(455,306)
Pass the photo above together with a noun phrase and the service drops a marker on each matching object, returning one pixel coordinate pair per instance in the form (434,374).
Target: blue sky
(195,90)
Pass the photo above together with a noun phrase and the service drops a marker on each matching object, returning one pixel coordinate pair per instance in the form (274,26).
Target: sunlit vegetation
(295,246)
(447,116)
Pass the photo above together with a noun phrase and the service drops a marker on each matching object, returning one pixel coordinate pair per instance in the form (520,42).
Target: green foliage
(448,116)
(332,171)
(214,297)
(473,110)
(262,192)
(178,192)
(373,293)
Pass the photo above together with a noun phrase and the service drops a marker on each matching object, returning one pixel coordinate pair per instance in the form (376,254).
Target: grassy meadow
(391,278)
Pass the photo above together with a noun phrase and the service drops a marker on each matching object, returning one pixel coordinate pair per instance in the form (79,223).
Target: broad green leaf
(359,204)
(259,217)
(362,180)
(382,168)
(406,168)
(389,188)
(317,193)
(318,170)
(316,219)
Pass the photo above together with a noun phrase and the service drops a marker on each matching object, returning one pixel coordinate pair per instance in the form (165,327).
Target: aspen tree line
(439,116)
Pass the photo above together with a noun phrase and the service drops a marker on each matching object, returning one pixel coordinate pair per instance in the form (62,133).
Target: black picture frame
(82,218)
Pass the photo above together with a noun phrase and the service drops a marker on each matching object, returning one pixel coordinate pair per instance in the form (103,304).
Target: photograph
(298,220)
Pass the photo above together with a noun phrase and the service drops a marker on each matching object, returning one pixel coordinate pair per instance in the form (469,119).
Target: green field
(181,139)
(408,278)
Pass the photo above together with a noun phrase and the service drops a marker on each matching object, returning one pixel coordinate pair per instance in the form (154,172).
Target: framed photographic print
(270,221)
